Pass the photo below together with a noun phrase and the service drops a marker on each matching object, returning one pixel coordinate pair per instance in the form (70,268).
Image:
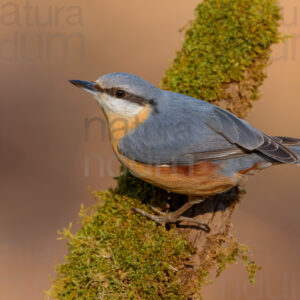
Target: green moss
(231,252)
(118,255)
(225,51)
(225,39)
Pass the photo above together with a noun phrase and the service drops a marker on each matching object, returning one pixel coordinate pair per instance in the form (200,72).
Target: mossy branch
(120,255)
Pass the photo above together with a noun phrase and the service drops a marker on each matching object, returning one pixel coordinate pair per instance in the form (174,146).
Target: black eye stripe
(126,96)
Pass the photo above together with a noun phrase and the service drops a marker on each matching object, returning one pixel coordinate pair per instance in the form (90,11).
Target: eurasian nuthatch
(182,144)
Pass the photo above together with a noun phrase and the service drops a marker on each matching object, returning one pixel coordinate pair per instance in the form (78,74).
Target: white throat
(120,106)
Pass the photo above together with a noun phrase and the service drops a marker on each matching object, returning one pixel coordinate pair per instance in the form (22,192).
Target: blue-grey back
(183,130)
(176,128)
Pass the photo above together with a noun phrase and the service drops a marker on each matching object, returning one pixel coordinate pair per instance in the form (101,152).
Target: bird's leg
(172,217)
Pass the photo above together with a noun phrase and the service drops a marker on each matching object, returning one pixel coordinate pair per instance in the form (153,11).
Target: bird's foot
(166,218)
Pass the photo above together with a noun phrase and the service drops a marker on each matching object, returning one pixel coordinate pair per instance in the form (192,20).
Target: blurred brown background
(43,147)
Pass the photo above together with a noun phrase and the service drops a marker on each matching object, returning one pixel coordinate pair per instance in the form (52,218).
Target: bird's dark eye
(120,93)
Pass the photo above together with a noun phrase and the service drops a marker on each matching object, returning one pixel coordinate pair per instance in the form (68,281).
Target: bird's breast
(201,179)
(120,126)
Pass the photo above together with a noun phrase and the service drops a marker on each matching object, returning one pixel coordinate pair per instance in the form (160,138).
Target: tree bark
(206,241)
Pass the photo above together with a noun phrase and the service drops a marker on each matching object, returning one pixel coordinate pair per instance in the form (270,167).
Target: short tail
(291,143)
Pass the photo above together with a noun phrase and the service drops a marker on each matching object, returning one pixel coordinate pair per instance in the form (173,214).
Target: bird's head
(121,93)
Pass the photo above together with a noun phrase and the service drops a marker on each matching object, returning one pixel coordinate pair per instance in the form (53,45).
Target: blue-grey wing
(186,134)
(241,133)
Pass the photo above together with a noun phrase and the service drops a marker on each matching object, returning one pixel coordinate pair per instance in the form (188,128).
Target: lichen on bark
(120,255)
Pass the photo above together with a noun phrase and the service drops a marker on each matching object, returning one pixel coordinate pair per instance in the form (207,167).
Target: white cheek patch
(120,106)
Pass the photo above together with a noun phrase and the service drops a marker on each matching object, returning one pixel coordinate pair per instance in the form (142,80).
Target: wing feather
(241,133)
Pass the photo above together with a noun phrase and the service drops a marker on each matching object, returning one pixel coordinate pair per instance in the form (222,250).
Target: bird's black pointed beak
(87,85)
